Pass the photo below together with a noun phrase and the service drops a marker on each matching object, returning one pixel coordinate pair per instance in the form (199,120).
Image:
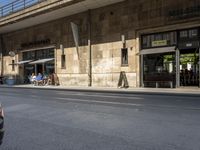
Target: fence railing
(16,6)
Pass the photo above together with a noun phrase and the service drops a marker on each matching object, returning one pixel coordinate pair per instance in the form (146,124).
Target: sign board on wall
(159,43)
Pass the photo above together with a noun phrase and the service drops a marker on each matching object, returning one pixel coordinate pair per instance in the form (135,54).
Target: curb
(122,91)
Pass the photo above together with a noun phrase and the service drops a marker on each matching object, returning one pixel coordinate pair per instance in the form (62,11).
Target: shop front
(170,59)
(38,61)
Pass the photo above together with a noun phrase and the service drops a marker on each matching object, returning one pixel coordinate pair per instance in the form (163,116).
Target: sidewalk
(189,91)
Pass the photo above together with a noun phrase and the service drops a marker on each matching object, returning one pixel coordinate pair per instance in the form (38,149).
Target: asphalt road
(66,120)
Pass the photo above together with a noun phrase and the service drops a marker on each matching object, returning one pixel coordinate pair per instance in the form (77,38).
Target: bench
(158,83)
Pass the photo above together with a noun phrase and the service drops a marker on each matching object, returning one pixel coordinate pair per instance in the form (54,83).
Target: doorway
(189,67)
(39,68)
(159,70)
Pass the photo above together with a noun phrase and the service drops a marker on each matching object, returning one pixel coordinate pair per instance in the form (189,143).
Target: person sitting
(32,78)
(45,78)
(38,79)
(56,79)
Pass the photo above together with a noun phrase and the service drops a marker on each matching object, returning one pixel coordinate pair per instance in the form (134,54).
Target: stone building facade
(111,40)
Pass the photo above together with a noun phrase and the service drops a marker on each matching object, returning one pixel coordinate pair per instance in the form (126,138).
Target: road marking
(100,102)
(128,104)
(100,95)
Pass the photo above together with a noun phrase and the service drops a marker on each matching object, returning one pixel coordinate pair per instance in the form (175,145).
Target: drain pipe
(89,50)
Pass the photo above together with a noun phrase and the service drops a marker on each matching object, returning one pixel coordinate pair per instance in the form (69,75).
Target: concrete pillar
(177,68)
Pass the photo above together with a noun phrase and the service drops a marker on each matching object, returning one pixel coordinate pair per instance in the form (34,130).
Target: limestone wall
(129,18)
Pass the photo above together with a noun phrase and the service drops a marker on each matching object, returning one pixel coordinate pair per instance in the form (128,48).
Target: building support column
(177,68)
(43,69)
(36,69)
(89,50)
(142,70)
(199,67)
(1,55)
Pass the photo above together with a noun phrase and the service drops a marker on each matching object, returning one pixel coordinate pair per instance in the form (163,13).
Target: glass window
(183,34)
(193,33)
(124,52)
(63,62)
(158,37)
(159,40)
(38,54)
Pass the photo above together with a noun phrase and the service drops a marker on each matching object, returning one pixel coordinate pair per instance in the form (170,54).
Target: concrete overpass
(48,10)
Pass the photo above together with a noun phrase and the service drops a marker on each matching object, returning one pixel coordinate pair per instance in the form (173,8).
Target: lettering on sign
(159,43)
(189,45)
(36,43)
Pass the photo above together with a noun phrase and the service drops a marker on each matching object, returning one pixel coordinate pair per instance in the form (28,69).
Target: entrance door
(189,67)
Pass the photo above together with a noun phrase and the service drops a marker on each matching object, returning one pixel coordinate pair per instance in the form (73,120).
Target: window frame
(124,57)
(63,61)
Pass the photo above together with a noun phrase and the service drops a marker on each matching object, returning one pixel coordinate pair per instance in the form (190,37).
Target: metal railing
(16,6)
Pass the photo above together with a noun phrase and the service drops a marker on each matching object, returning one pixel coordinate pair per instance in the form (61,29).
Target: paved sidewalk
(191,91)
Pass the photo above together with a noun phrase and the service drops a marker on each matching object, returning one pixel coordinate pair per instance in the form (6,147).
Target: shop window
(124,56)
(183,34)
(193,33)
(63,62)
(159,40)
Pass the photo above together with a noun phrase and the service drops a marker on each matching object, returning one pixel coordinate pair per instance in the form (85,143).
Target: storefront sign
(159,43)
(36,43)
(188,44)
(184,13)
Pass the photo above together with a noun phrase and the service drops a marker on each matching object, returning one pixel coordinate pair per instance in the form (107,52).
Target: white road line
(100,102)
(100,95)
(127,104)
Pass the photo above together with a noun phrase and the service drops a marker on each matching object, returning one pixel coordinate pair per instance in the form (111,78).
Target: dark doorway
(39,68)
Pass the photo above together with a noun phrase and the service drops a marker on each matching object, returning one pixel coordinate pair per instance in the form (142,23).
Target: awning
(22,62)
(41,61)
(157,50)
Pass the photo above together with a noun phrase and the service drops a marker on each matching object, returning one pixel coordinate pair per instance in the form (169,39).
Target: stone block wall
(108,24)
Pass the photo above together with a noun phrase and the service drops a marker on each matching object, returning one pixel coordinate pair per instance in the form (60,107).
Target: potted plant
(10,80)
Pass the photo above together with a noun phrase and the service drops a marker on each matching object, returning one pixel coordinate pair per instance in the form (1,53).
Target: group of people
(44,79)
(189,77)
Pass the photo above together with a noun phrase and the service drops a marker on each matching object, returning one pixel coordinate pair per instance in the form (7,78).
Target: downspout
(89,50)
